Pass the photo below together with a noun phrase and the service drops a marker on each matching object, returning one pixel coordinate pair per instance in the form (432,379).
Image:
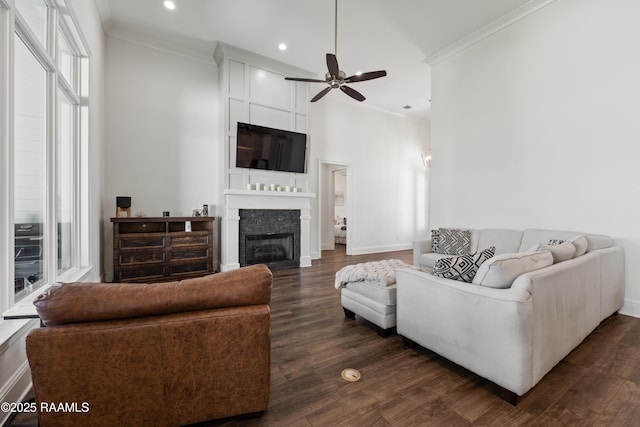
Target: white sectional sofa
(511,336)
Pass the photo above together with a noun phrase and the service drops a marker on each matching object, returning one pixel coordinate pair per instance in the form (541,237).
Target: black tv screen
(260,147)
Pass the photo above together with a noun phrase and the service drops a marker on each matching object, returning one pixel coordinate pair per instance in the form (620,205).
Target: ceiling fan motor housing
(336,82)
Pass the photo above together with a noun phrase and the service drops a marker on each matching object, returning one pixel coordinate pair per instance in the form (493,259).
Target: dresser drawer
(142,242)
(142,273)
(135,256)
(190,267)
(190,252)
(192,239)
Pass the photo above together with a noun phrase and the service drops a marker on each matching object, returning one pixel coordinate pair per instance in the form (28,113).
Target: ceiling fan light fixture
(335,78)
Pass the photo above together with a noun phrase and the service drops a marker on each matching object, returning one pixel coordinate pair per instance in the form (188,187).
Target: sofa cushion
(503,239)
(501,270)
(561,252)
(454,241)
(581,244)
(462,268)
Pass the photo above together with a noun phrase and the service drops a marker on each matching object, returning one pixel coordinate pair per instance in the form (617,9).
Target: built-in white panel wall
(162,133)
(537,126)
(253,90)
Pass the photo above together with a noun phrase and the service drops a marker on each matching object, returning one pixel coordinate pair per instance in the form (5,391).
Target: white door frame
(333,166)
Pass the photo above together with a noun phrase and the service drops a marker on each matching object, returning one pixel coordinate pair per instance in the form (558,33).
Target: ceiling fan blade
(320,94)
(353,93)
(300,79)
(332,65)
(366,76)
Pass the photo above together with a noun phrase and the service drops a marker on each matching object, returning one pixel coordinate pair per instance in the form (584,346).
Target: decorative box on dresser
(153,249)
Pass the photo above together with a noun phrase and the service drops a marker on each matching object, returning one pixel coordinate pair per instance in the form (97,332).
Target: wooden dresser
(154,249)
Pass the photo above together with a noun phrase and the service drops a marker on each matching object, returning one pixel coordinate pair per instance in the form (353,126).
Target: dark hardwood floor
(312,342)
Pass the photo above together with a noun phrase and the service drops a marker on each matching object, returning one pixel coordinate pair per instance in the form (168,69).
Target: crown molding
(486,31)
(105,15)
(191,49)
(226,51)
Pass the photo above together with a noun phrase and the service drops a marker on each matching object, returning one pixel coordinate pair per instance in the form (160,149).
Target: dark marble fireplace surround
(271,237)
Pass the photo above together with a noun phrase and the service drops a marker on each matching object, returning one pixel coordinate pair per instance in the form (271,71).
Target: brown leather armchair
(165,354)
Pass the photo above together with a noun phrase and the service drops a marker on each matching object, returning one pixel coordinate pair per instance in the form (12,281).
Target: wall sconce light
(426,159)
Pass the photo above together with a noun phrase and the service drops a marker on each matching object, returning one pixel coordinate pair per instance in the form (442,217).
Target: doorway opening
(335,207)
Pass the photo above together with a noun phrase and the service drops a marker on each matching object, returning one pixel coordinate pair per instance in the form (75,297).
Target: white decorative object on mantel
(234,200)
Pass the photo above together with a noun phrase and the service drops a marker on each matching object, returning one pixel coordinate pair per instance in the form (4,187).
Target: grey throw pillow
(453,241)
(435,239)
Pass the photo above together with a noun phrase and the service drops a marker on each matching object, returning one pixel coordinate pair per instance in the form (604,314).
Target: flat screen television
(260,147)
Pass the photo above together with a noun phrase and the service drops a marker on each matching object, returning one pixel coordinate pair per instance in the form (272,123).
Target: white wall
(537,126)
(389,182)
(162,127)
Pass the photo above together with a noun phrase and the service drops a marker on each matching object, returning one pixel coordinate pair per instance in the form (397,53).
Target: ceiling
(396,36)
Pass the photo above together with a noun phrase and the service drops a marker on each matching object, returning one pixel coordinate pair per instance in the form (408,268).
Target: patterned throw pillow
(552,242)
(435,239)
(462,268)
(453,241)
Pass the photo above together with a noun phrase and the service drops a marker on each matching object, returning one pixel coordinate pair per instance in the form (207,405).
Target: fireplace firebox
(270,237)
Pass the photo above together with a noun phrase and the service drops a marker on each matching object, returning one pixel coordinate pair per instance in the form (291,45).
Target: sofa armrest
(420,247)
(486,330)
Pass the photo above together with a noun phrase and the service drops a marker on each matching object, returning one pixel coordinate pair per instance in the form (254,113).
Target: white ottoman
(369,290)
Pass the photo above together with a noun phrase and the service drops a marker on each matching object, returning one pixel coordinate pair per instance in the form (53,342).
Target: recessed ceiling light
(169,4)
(282,46)
(407,107)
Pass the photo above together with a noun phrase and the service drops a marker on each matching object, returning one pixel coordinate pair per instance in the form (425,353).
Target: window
(35,13)
(65,58)
(42,148)
(30,122)
(64,181)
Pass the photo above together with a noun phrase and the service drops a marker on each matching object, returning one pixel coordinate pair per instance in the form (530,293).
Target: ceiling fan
(335,77)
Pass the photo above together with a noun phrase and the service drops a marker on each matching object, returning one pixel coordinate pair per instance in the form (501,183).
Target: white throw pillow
(598,241)
(581,244)
(501,270)
(562,252)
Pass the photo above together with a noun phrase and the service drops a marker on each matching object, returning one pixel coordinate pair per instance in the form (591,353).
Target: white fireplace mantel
(234,200)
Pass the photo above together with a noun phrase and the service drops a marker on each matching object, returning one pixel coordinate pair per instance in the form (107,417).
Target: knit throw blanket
(377,273)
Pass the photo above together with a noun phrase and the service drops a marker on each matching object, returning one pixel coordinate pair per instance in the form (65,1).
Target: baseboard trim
(16,388)
(631,307)
(380,249)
